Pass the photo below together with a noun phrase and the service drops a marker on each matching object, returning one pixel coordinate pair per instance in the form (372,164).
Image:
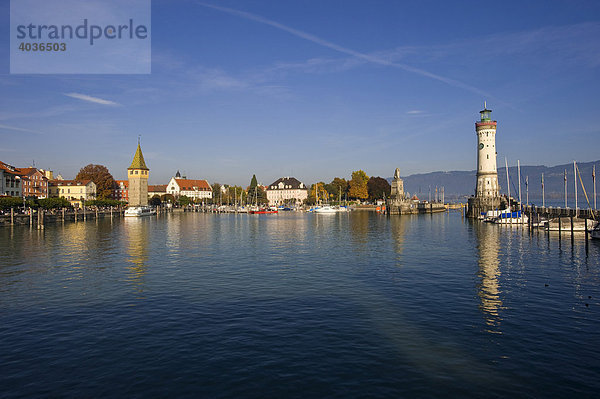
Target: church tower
(487,175)
(138,174)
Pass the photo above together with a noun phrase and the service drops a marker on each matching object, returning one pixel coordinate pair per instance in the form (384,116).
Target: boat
(517,217)
(263,211)
(326,209)
(565,224)
(595,232)
(138,211)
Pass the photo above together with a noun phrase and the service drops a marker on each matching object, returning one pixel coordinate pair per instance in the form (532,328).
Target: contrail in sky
(345,50)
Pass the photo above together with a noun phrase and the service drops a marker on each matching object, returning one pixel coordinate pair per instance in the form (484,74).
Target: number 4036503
(43,47)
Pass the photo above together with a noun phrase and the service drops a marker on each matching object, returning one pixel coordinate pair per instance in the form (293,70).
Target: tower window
(488,156)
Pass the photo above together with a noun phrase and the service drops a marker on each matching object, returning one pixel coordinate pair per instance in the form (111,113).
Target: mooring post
(571,217)
(12,216)
(63,214)
(30,218)
(75,213)
(559,225)
(586,231)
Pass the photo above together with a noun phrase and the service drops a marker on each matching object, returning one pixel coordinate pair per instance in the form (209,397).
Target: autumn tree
(99,174)
(377,188)
(358,185)
(312,193)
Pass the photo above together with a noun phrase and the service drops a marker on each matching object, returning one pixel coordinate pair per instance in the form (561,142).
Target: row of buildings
(39,183)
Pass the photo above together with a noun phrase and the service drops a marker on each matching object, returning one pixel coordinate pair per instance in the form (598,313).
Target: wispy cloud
(414,112)
(95,100)
(367,57)
(19,129)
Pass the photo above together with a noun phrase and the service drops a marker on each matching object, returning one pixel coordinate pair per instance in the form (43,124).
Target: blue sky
(317,89)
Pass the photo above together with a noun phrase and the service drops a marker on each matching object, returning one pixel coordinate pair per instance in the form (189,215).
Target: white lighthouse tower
(487,175)
(487,191)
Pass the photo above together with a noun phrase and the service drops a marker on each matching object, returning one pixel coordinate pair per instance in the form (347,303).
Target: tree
(168,198)
(184,200)
(314,189)
(99,174)
(256,193)
(216,189)
(338,188)
(155,200)
(358,185)
(377,188)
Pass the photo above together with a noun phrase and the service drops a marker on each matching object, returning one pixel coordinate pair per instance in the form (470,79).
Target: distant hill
(459,184)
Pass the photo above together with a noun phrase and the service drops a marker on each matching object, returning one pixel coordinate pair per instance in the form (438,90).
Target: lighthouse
(487,175)
(487,191)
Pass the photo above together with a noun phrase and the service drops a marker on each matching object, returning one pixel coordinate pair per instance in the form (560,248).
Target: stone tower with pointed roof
(138,174)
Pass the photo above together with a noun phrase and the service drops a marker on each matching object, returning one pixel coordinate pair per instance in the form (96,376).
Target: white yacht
(138,211)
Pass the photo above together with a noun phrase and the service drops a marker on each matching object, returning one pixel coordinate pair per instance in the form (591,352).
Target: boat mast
(519,174)
(543,193)
(594,178)
(507,181)
(565,188)
(575,176)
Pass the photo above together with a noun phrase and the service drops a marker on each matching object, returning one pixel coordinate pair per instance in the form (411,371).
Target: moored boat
(139,211)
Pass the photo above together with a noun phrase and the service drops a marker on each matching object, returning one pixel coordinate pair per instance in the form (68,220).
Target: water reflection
(489,271)
(398,228)
(136,233)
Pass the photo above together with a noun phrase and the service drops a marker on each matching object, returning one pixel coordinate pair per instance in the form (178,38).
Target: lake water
(297,305)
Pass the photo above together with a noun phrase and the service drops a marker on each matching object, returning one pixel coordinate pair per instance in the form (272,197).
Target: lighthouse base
(480,205)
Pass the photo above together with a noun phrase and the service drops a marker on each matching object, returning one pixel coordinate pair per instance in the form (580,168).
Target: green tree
(99,174)
(216,192)
(168,198)
(256,192)
(337,189)
(155,200)
(358,185)
(184,200)
(377,188)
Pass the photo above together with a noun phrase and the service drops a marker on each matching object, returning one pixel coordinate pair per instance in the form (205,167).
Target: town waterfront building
(34,183)
(137,175)
(191,188)
(158,189)
(487,191)
(10,180)
(121,191)
(74,191)
(286,190)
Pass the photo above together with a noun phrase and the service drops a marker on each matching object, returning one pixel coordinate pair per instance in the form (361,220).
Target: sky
(318,89)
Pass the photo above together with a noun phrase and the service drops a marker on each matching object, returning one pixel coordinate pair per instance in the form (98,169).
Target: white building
(10,181)
(286,190)
(194,189)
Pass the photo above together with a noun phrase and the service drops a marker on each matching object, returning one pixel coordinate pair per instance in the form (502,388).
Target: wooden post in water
(571,217)
(96,213)
(30,218)
(559,226)
(63,215)
(84,216)
(75,212)
(586,231)
(12,216)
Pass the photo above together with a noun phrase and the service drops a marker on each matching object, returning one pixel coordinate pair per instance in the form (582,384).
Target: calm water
(297,305)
